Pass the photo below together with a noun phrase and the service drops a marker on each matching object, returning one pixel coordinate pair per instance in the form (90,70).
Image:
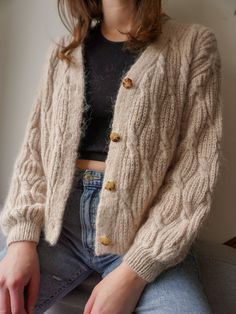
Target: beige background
(26,28)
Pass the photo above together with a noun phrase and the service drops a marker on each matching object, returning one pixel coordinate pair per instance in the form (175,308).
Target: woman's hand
(117,293)
(20,267)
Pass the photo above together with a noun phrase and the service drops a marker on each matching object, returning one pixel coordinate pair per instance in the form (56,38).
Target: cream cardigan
(163,169)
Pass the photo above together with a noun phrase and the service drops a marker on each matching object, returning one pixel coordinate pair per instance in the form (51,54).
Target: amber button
(127,82)
(105,240)
(110,185)
(115,137)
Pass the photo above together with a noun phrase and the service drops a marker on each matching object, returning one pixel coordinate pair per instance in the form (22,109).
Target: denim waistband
(88,177)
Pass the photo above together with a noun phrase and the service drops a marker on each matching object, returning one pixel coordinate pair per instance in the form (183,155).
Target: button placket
(110,185)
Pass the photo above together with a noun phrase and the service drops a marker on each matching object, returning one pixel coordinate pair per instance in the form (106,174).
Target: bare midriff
(90,164)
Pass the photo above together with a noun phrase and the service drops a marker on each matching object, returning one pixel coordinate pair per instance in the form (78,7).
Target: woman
(119,179)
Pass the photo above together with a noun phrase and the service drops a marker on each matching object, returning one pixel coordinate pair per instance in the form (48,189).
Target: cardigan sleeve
(183,201)
(22,214)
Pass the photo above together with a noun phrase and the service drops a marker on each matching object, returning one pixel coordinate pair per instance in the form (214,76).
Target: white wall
(26,28)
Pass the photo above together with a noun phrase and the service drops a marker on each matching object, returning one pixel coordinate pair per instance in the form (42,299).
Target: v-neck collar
(143,61)
(152,56)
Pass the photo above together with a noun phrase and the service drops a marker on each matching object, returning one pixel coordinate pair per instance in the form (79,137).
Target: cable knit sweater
(163,169)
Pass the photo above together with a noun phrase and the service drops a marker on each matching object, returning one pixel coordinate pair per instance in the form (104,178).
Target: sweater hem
(140,261)
(24,231)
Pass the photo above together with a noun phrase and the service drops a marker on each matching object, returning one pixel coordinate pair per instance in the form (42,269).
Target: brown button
(110,185)
(115,137)
(104,240)
(127,82)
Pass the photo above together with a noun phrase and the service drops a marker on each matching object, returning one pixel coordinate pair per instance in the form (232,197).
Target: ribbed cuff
(141,261)
(24,231)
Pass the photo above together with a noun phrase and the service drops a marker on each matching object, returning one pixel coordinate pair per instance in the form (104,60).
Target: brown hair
(77,17)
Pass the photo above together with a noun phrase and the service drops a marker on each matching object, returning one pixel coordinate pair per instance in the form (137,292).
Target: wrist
(132,275)
(28,244)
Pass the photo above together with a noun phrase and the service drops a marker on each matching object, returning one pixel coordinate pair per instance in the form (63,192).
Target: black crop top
(104,64)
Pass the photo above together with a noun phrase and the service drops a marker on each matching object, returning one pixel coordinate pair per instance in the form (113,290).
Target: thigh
(177,290)
(60,272)
(61,266)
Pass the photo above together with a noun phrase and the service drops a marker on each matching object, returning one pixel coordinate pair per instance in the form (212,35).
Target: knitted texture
(165,165)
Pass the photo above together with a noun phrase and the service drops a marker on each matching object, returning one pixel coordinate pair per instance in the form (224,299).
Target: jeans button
(87,176)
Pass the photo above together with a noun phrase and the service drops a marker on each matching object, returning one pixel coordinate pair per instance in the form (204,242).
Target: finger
(5,305)
(32,293)
(17,298)
(89,305)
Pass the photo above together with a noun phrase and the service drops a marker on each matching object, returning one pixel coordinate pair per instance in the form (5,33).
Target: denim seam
(66,285)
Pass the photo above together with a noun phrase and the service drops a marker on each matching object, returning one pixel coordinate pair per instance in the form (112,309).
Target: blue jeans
(67,264)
